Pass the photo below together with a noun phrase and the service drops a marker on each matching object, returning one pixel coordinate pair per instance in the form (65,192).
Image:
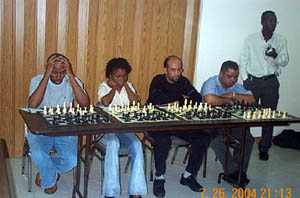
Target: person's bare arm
(132,96)
(80,96)
(217,100)
(242,98)
(37,96)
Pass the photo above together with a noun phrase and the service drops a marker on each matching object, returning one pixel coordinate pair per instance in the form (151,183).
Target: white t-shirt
(55,94)
(119,98)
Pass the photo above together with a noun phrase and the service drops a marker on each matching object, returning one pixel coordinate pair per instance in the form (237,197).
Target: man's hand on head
(67,65)
(50,65)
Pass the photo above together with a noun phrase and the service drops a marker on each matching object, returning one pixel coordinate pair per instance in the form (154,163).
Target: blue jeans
(111,183)
(49,166)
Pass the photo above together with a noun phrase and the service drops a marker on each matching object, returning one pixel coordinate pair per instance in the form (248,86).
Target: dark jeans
(267,92)
(219,144)
(198,139)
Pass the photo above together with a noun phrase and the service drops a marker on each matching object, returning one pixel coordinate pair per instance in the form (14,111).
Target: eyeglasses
(176,70)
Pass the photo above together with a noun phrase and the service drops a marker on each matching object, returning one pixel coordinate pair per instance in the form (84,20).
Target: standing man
(224,89)
(172,87)
(58,85)
(260,61)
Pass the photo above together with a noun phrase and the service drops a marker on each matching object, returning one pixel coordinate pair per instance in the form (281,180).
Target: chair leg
(174,155)
(29,174)
(151,165)
(187,154)
(127,164)
(101,174)
(23,162)
(205,163)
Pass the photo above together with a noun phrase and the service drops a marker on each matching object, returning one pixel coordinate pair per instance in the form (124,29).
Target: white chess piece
(45,110)
(284,115)
(57,109)
(91,109)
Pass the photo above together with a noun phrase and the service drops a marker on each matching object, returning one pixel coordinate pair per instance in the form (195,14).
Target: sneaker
(159,187)
(192,183)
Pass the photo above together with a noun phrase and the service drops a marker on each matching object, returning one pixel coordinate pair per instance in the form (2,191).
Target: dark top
(163,92)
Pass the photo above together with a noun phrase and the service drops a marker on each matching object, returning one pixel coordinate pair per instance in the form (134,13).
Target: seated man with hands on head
(224,89)
(172,87)
(57,86)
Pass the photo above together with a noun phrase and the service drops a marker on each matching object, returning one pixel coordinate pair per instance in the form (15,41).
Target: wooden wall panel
(89,33)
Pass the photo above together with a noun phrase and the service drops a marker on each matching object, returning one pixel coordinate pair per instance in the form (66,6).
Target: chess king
(58,85)
(224,89)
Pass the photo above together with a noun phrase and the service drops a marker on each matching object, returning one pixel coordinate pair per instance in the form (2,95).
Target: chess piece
(45,110)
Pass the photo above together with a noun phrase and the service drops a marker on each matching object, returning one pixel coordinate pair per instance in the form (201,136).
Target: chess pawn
(279,114)
(138,105)
(185,102)
(91,109)
(49,110)
(284,115)
(169,107)
(77,107)
(57,110)
(249,115)
(64,110)
(274,114)
(254,115)
(109,107)
(45,110)
(259,115)
(245,115)
(71,105)
(133,103)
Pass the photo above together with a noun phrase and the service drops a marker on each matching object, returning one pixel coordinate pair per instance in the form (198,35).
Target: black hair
(117,63)
(229,65)
(264,14)
(171,57)
(58,54)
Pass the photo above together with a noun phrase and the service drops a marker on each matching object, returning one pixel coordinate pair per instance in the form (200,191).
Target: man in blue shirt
(57,86)
(224,89)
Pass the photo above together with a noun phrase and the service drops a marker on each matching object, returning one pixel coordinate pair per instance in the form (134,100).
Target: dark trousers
(219,144)
(267,92)
(198,139)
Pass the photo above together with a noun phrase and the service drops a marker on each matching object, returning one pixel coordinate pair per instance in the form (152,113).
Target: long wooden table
(38,125)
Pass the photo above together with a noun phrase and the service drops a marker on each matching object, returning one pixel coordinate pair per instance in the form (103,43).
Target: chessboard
(253,112)
(136,113)
(62,116)
(196,112)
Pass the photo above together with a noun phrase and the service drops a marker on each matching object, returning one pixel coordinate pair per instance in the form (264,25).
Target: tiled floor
(280,173)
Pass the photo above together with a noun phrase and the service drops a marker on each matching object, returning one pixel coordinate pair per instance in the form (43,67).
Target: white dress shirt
(254,61)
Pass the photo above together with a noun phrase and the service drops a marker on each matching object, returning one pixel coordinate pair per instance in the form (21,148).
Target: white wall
(223,27)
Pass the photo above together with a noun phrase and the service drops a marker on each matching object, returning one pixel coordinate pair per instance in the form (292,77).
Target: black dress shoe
(159,187)
(108,197)
(263,156)
(233,179)
(192,183)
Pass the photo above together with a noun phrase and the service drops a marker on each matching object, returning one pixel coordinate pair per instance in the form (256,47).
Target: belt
(261,78)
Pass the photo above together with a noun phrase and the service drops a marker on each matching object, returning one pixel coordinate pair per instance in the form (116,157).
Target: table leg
(242,154)
(87,163)
(78,167)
